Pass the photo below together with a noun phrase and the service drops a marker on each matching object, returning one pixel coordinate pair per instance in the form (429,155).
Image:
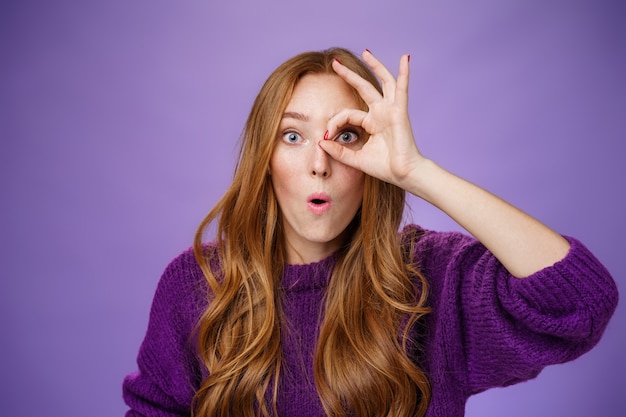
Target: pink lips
(319,203)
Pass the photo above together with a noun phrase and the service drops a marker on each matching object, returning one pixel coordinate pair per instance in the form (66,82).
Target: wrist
(421,179)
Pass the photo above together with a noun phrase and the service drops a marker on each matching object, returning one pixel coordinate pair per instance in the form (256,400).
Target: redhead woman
(313,299)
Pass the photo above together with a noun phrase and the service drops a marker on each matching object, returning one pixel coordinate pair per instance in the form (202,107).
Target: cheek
(353,176)
(354,182)
(281,172)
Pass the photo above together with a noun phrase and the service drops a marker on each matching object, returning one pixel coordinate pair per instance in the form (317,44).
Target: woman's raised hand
(390,154)
(520,242)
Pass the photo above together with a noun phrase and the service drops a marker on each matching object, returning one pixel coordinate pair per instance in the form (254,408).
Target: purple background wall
(118,123)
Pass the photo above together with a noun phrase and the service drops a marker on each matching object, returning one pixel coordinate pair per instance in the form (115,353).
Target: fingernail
(408,58)
(369,51)
(337,59)
(326,134)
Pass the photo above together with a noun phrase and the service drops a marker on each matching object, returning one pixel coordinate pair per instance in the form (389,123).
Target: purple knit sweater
(487,328)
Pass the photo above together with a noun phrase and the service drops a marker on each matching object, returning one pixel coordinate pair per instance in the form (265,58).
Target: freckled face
(318,196)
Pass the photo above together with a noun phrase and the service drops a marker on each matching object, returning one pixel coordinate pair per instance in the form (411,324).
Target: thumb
(339,152)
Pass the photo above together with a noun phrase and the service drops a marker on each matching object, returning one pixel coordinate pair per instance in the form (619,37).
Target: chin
(328,238)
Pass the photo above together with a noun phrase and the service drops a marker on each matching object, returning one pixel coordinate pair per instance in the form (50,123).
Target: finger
(345,117)
(366,90)
(387,79)
(402,85)
(340,153)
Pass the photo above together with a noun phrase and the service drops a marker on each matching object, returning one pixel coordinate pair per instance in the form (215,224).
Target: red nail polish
(369,51)
(326,135)
(337,59)
(408,58)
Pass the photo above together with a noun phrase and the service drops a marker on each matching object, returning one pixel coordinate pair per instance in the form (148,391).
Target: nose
(320,162)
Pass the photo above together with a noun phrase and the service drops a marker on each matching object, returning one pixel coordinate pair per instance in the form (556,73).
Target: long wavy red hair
(362,366)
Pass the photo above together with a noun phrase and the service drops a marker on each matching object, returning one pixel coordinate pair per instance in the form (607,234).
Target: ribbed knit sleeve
(491,329)
(168,370)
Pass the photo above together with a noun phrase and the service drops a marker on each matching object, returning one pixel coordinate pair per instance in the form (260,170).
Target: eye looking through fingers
(348,136)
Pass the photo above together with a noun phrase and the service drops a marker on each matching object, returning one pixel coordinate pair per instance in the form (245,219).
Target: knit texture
(487,328)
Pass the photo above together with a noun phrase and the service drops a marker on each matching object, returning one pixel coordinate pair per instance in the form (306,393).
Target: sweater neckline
(302,277)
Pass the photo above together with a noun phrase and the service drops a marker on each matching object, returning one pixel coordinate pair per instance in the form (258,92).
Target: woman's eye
(347,137)
(291,137)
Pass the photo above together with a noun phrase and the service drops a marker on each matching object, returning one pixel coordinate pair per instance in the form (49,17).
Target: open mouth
(319,203)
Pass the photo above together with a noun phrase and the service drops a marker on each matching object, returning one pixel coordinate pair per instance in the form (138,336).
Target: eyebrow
(295,115)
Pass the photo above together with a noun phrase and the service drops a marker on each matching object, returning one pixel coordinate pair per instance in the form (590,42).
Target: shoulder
(412,233)
(185,266)
(425,246)
(182,284)
(183,269)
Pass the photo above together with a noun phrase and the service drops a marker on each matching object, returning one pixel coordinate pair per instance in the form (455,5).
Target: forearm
(521,243)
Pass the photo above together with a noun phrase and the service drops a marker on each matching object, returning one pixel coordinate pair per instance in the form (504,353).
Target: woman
(310,303)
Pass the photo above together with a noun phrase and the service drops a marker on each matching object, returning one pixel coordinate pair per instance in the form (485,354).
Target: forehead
(322,93)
